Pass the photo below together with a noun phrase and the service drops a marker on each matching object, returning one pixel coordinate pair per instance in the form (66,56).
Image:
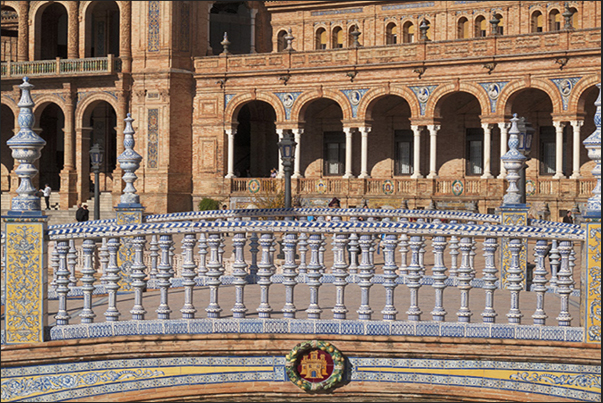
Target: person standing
(79,214)
(568,219)
(46,193)
(86,215)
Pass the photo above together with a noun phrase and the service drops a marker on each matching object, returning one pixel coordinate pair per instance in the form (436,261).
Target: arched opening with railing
(102,29)
(10,34)
(52,32)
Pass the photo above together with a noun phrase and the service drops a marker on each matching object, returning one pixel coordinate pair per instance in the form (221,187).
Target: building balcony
(61,67)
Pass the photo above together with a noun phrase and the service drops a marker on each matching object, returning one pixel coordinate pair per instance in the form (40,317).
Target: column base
(296,176)
(487,176)
(432,175)
(348,176)
(501,176)
(558,176)
(229,176)
(364,176)
(576,176)
(413,176)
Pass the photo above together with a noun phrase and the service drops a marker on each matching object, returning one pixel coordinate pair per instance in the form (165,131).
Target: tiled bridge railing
(420,259)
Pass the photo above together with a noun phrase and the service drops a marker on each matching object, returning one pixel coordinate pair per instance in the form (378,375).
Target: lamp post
(96,159)
(287,146)
(525,136)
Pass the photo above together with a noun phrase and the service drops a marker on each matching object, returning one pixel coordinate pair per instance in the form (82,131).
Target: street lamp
(287,146)
(525,136)
(96,159)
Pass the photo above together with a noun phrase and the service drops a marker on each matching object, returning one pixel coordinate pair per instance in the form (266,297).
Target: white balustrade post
(439,277)
(289,274)
(188,274)
(153,255)
(490,245)
(303,249)
(364,132)
(487,151)
(514,282)
(504,133)
(433,137)
(558,149)
(314,276)
(454,253)
(264,273)
(416,152)
(353,248)
(576,125)
(389,274)
(340,273)
(62,317)
(112,286)
(464,280)
(88,273)
(202,268)
(348,152)
(103,257)
(230,133)
(214,272)
(554,260)
(366,269)
(138,277)
(297,133)
(239,272)
(163,277)
(71,262)
(253,250)
(539,281)
(414,279)
(565,284)
(54,263)
(403,243)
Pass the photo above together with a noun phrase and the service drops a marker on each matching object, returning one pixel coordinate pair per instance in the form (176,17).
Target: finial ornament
(567,15)
(513,161)
(355,34)
(593,145)
(129,161)
(26,148)
(289,38)
(424,27)
(225,44)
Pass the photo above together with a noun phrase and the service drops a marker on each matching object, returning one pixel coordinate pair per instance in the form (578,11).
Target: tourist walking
(46,193)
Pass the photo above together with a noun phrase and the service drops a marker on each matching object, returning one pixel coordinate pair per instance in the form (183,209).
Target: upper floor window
(500,27)
(463,28)
(475,155)
(408,32)
(281,42)
(574,17)
(403,153)
(334,153)
(321,39)
(554,20)
(391,34)
(537,22)
(480,27)
(337,40)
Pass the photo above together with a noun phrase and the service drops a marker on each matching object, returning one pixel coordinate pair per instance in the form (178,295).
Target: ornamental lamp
(96,156)
(526,134)
(287,145)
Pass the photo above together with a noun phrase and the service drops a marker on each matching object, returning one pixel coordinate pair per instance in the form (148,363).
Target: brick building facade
(388,101)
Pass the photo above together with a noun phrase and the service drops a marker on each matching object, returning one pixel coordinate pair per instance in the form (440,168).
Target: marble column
(23,39)
(487,150)
(68,191)
(82,162)
(433,136)
(416,152)
(230,133)
(253,13)
(558,150)
(73,30)
(348,152)
(281,170)
(504,133)
(364,131)
(125,38)
(576,125)
(297,133)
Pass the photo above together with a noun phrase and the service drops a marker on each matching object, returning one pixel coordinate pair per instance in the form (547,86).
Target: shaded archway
(233,17)
(51,124)
(6,157)
(390,150)
(102,29)
(10,34)
(587,108)
(256,149)
(101,119)
(323,142)
(53,32)
(460,142)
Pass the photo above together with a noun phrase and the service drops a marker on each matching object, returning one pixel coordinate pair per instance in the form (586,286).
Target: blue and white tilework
(287,99)
(423,93)
(354,97)
(493,90)
(565,87)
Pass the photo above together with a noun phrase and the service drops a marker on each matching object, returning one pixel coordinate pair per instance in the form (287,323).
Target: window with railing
(391,34)
(321,39)
(537,22)
(475,154)
(403,158)
(334,153)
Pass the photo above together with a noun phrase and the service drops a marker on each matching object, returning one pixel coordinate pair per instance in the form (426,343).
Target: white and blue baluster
(539,281)
(403,248)
(514,281)
(454,254)
(54,264)
(264,274)
(172,258)
(139,283)
(554,261)
(62,317)
(366,274)
(314,276)
(163,276)
(87,315)
(213,273)
(289,274)
(372,245)
(303,249)
(153,255)
(439,278)
(389,274)
(565,284)
(354,248)
(202,244)
(113,277)
(572,258)
(464,280)
(103,257)
(422,249)
(253,249)
(413,278)
(322,249)
(490,245)
(71,262)
(340,273)
(239,272)
(188,274)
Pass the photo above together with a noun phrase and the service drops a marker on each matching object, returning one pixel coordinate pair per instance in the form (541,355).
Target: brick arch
(432,109)
(575,104)
(12,4)
(549,88)
(85,5)
(365,108)
(35,13)
(45,99)
(300,105)
(11,105)
(238,101)
(82,110)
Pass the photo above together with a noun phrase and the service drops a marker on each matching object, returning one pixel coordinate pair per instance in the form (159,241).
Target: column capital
(230,132)
(298,131)
(559,124)
(349,130)
(576,123)
(433,129)
(365,129)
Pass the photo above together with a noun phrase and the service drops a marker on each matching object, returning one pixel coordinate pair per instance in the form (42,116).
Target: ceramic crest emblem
(315,366)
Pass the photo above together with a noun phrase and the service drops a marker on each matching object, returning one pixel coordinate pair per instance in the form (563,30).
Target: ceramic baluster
(439,277)
(490,245)
(340,273)
(389,274)
(289,274)
(214,272)
(163,276)
(539,281)
(565,283)
(366,269)
(464,280)
(113,277)
(188,274)
(264,273)
(413,278)
(239,272)
(514,281)
(138,277)
(62,317)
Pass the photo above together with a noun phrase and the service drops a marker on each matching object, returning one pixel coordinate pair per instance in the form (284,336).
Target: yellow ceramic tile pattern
(511,219)
(593,297)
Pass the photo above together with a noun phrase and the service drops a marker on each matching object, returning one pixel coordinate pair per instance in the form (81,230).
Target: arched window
(537,22)
(321,39)
(391,34)
(281,42)
(463,28)
(500,28)
(10,33)
(408,32)
(337,39)
(574,17)
(480,27)
(554,20)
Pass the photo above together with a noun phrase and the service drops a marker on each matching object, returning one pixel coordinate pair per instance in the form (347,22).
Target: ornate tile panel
(592,278)
(153,35)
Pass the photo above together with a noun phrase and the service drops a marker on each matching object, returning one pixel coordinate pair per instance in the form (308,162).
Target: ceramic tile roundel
(315,366)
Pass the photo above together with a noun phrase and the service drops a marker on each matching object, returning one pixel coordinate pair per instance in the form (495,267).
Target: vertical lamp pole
(96,159)
(287,145)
